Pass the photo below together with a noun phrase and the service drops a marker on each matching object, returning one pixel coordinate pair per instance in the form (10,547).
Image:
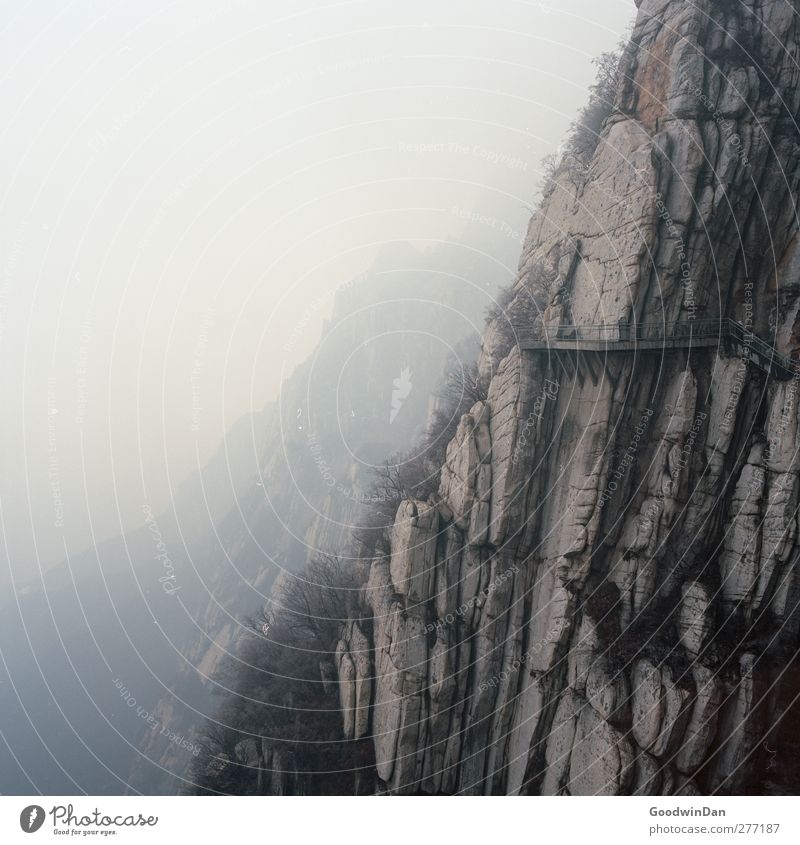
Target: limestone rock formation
(603,595)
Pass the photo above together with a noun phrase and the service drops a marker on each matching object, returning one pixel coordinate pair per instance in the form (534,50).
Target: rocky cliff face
(602,598)
(363,394)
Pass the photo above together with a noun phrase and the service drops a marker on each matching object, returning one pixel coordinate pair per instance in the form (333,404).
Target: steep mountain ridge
(603,598)
(363,394)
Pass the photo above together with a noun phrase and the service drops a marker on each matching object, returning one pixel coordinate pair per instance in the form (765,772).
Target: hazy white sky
(185,183)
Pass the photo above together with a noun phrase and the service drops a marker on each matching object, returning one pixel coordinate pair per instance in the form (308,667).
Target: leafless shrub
(273,692)
(462,387)
(584,133)
(315,604)
(415,474)
(502,302)
(409,475)
(515,311)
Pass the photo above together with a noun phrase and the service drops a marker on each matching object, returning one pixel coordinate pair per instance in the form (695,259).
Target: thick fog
(187,185)
(189,188)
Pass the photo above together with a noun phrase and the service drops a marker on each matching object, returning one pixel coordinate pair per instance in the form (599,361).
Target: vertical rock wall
(603,597)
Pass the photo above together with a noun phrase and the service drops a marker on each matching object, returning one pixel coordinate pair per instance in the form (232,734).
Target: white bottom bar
(400,821)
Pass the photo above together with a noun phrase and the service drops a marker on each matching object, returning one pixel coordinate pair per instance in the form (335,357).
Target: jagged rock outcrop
(603,596)
(338,416)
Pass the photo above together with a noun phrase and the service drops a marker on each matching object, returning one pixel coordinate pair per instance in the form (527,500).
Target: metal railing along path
(732,338)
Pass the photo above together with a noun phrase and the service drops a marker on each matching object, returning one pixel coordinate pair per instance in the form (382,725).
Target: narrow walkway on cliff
(732,338)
